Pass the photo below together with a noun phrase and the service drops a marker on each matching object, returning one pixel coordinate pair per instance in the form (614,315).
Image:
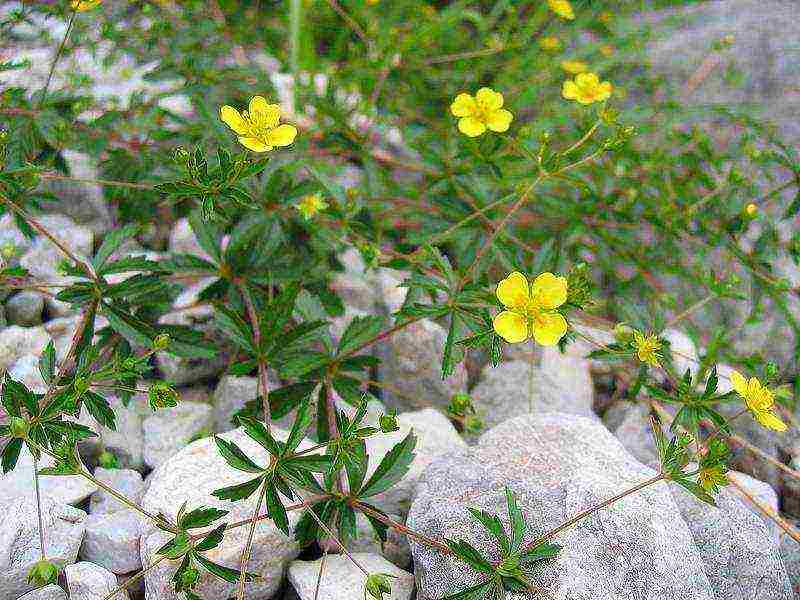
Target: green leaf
(479,591)
(541,552)
(359,331)
(258,433)
(10,454)
(176,547)
(234,327)
(111,243)
(517,521)
(466,552)
(234,456)
(302,422)
(202,516)
(223,572)
(212,540)
(239,491)
(493,525)
(47,363)
(276,509)
(208,236)
(100,409)
(129,327)
(392,468)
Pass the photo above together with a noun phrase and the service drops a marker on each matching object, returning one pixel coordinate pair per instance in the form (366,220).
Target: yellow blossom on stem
(574,66)
(758,399)
(82,5)
(562,8)
(550,43)
(711,479)
(647,348)
(531,309)
(310,205)
(751,209)
(587,88)
(257,126)
(480,112)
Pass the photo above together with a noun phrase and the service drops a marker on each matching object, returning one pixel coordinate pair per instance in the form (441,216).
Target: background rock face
(559,465)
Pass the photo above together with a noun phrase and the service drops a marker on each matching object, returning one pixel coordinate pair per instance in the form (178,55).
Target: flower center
(482,111)
(256,127)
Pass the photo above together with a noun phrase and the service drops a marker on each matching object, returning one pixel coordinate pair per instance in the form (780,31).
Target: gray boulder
(232,393)
(25,308)
(87,581)
(112,540)
(412,368)
(19,540)
(342,580)
(126,442)
(16,342)
(559,465)
(48,592)
(127,482)
(201,464)
(790,552)
(395,549)
(170,429)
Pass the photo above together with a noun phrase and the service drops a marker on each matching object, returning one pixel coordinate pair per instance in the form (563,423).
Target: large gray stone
(19,540)
(201,464)
(48,592)
(17,485)
(170,429)
(559,465)
(126,441)
(232,393)
(763,493)
(435,436)
(790,552)
(183,241)
(16,342)
(87,581)
(127,482)
(412,368)
(25,308)
(517,388)
(395,549)
(342,580)
(112,540)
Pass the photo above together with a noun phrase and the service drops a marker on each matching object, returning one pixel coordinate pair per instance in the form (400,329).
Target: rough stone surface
(684,353)
(342,580)
(183,241)
(48,592)
(740,555)
(516,388)
(170,429)
(201,464)
(25,308)
(112,540)
(230,396)
(630,423)
(435,436)
(87,581)
(762,492)
(16,342)
(26,371)
(412,365)
(17,484)
(126,442)
(395,549)
(790,552)
(559,465)
(127,482)
(19,540)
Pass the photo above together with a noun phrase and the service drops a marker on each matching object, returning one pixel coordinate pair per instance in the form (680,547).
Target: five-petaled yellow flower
(758,399)
(257,126)
(81,5)
(587,89)
(531,309)
(574,66)
(711,479)
(562,8)
(550,43)
(647,347)
(310,205)
(483,111)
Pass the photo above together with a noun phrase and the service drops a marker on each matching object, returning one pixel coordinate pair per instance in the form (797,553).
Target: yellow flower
(647,347)
(562,8)
(711,479)
(478,113)
(550,43)
(759,401)
(751,209)
(82,5)
(258,127)
(531,309)
(574,66)
(310,205)
(587,88)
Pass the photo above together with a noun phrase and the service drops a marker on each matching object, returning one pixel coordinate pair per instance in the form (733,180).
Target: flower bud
(107,460)
(18,427)
(388,423)
(377,585)
(623,333)
(161,341)
(162,395)
(43,573)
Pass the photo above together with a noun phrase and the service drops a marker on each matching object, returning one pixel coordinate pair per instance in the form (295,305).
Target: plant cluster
(501,172)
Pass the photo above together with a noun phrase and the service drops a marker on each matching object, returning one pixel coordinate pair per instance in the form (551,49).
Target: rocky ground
(572,451)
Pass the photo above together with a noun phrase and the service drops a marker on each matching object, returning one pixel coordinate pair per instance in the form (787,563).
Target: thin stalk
(249,544)
(58,55)
(329,533)
(693,308)
(42,552)
(319,575)
(136,577)
(263,381)
(399,527)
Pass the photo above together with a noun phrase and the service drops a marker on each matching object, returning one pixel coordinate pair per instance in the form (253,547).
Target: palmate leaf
(239,491)
(202,516)
(10,454)
(223,572)
(392,468)
(100,409)
(493,525)
(276,509)
(235,457)
(469,554)
(212,540)
(47,363)
(543,551)
(257,432)
(359,331)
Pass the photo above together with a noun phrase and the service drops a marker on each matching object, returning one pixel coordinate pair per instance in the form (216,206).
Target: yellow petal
(739,383)
(511,326)
(770,421)
(471,126)
(604,90)
(233,119)
(254,144)
(283,135)
(548,328)
(264,113)
(570,90)
(549,291)
(587,80)
(463,106)
(513,291)
(490,99)
(499,120)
